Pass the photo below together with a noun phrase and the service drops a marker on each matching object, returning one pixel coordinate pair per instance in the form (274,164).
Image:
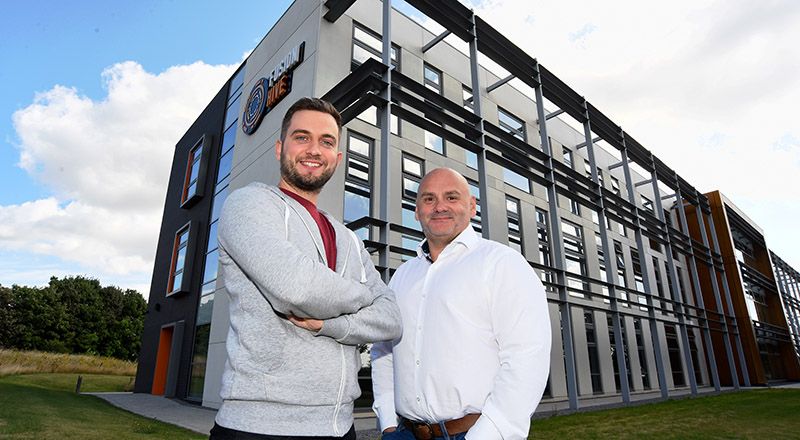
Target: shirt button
(417,362)
(420,327)
(418,399)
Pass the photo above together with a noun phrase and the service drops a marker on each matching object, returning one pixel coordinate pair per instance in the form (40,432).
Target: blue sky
(96,94)
(47,44)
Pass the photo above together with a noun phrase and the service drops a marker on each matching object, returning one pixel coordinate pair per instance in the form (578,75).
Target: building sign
(269,91)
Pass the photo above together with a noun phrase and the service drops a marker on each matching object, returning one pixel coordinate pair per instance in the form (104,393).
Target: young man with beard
(303,293)
(475,353)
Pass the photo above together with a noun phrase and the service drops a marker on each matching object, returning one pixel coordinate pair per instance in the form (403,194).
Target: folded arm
(252,232)
(379,321)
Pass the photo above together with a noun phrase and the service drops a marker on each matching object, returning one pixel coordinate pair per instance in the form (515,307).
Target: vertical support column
(678,299)
(386,130)
(610,262)
(727,291)
(718,299)
(699,293)
(483,189)
(662,379)
(557,242)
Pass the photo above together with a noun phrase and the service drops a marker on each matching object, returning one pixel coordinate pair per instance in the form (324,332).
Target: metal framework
(375,83)
(789,285)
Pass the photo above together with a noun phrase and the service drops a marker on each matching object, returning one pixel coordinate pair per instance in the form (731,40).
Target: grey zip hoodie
(280,379)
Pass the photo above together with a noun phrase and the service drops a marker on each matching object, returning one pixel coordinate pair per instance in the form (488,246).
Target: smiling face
(310,153)
(444,207)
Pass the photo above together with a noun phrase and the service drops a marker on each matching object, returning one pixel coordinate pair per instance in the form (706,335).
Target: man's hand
(389,430)
(310,324)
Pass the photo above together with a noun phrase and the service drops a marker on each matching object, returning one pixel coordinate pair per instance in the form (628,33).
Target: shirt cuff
(483,429)
(386,421)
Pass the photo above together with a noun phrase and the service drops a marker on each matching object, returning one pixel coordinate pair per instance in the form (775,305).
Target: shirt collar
(468,238)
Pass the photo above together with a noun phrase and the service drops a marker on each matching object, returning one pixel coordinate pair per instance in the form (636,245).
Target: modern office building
(639,298)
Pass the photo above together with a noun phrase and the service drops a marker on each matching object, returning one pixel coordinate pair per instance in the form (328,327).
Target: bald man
(475,352)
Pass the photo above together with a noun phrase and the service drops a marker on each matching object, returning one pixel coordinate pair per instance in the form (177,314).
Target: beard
(312,184)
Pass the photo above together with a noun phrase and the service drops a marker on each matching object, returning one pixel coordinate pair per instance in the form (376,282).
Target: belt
(427,431)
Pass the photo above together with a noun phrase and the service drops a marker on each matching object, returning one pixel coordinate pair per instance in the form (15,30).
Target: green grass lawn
(758,414)
(45,406)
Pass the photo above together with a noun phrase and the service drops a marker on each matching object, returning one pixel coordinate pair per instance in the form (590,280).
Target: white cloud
(711,87)
(106,164)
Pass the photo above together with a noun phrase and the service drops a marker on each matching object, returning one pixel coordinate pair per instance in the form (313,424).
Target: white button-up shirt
(476,339)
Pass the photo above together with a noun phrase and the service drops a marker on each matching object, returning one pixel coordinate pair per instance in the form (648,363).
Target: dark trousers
(222,433)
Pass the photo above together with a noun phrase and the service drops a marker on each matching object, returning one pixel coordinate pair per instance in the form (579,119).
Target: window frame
(185,271)
(521,135)
(196,159)
(366,46)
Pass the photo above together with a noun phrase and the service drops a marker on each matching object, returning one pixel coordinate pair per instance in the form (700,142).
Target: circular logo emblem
(254,111)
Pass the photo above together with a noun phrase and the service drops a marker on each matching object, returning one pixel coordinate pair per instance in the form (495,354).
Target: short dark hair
(314,104)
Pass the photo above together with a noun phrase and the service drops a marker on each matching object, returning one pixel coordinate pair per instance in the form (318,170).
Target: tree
(73,315)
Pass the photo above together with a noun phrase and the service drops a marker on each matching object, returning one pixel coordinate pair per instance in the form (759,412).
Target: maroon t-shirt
(324,225)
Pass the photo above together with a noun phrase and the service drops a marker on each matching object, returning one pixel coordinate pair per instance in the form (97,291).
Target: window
(660,284)
(621,279)
(575,256)
(471,159)
(367,44)
(698,377)
(587,168)
(574,207)
(476,192)
(615,186)
(647,204)
(512,124)
(466,94)
(612,340)
(198,364)
(370,116)
(638,279)
(637,326)
(601,263)
(674,356)
(514,224)
(358,182)
(594,358)
(178,264)
(516,180)
(413,170)
(567,157)
(434,142)
(468,100)
(433,78)
(679,276)
(543,236)
(192,182)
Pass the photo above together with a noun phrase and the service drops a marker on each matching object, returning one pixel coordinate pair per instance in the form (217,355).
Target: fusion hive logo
(269,91)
